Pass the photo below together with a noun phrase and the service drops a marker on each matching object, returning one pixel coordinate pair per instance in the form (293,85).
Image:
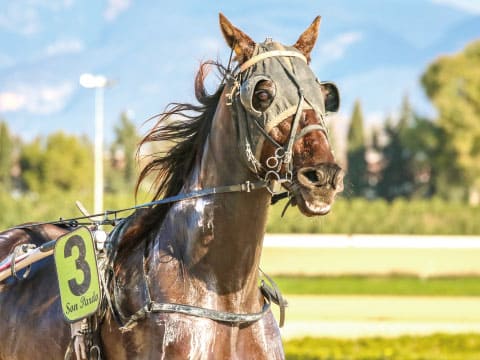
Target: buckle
(229,96)
(229,100)
(247,186)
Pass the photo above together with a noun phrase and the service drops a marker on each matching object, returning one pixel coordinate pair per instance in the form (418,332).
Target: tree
(6,157)
(122,173)
(424,140)
(397,177)
(407,116)
(356,151)
(59,162)
(453,85)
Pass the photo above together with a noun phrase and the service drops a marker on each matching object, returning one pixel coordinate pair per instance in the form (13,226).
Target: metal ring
(279,153)
(272,162)
(276,176)
(271,180)
(96,349)
(19,250)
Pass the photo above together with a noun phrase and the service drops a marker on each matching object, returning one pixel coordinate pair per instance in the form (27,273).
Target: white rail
(371,241)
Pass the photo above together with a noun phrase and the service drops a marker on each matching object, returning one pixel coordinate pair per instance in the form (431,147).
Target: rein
(247,186)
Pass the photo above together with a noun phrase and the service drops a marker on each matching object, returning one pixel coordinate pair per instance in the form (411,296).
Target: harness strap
(272,291)
(307,129)
(293,132)
(274,53)
(222,316)
(247,186)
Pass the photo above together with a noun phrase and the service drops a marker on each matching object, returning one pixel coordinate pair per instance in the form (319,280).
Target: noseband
(301,90)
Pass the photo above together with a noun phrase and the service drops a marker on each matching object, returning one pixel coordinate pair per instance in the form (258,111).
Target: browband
(269,54)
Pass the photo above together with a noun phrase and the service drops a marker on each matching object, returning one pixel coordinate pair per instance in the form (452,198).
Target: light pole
(97,82)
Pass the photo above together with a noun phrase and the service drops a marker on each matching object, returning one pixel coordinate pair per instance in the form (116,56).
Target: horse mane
(186,126)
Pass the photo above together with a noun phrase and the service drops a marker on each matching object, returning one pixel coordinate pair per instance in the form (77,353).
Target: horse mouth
(313,205)
(314,208)
(317,187)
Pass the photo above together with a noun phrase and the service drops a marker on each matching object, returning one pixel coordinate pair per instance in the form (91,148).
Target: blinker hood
(292,78)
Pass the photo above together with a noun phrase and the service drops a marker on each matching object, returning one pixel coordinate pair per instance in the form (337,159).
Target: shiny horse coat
(205,251)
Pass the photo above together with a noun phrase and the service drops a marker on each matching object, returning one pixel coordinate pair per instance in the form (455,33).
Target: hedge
(356,216)
(360,216)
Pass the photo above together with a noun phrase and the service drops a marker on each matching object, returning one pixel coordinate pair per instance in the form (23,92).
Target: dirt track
(358,316)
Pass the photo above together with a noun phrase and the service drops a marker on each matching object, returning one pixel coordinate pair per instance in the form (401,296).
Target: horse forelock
(186,126)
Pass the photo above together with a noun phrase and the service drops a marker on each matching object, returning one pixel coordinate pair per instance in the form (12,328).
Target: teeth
(318,209)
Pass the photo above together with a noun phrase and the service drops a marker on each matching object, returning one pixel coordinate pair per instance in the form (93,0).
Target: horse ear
(306,41)
(237,40)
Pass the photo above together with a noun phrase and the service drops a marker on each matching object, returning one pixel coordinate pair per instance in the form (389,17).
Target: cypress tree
(121,176)
(356,179)
(398,175)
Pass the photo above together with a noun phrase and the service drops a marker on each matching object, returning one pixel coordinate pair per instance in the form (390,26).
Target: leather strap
(274,53)
(247,186)
(222,316)
(307,129)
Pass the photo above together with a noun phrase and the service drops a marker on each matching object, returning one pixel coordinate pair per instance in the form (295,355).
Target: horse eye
(263,95)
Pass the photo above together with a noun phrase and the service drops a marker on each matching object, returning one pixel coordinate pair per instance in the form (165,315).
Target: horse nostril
(316,177)
(328,176)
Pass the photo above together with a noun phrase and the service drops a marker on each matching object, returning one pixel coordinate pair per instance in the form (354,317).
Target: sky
(374,50)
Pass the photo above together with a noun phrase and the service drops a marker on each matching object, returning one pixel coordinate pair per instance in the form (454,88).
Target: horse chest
(173,336)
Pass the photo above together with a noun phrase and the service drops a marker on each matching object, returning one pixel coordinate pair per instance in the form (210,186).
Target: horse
(184,279)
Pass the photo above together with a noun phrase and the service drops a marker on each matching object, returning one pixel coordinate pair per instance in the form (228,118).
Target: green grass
(379,285)
(432,347)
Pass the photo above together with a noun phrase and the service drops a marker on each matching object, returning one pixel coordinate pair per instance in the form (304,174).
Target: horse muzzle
(316,188)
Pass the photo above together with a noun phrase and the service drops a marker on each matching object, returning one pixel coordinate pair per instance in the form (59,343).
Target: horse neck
(219,237)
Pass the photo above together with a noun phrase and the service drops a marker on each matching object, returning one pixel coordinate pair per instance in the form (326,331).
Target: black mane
(186,126)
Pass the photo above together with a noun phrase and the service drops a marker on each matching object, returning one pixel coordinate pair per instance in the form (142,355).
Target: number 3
(80,263)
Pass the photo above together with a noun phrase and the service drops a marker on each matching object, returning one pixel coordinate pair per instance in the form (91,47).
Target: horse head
(281,108)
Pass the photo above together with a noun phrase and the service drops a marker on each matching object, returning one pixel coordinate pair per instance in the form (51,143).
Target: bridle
(279,166)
